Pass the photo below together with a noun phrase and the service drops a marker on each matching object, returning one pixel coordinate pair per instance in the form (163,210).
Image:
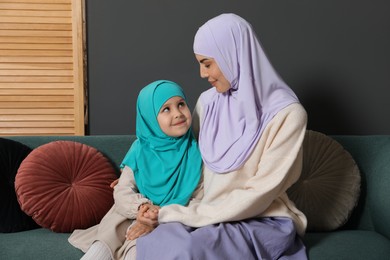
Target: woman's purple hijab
(233,122)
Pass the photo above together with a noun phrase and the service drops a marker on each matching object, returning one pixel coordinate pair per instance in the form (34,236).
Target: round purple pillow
(65,185)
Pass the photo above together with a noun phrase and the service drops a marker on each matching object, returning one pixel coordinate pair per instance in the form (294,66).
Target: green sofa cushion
(37,244)
(347,245)
(372,154)
(114,147)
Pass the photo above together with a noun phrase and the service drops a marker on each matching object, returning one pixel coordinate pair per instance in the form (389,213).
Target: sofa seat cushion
(37,244)
(65,185)
(347,244)
(12,218)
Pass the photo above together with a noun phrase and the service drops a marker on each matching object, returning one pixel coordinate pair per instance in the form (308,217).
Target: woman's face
(174,117)
(209,69)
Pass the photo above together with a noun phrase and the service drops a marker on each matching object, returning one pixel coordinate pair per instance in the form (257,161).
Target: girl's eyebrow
(168,103)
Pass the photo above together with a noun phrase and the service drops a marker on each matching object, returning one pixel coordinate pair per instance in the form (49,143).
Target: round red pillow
(65,185)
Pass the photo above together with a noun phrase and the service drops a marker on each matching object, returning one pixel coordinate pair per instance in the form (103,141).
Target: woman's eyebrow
(203,60)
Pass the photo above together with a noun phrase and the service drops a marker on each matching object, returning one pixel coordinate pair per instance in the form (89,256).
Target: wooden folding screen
(42,90)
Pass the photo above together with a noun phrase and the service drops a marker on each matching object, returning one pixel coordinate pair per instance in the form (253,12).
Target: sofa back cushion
(113,147)
(372,154)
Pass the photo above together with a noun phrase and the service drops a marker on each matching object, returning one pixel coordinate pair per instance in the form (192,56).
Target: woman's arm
(278,167)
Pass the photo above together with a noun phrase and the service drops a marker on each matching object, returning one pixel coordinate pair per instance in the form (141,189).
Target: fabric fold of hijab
(233,121)
(166,169)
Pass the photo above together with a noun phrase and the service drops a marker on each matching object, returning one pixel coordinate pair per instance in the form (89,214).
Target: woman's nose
(203,73)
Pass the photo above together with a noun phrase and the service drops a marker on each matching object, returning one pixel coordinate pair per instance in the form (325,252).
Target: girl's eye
(182,104)
(165,109)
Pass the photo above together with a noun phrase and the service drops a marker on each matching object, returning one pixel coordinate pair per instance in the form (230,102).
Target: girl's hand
(112,185)
(148,215)
(115,182)
(147,220)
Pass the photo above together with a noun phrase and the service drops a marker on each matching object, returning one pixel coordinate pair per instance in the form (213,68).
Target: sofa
(364,235)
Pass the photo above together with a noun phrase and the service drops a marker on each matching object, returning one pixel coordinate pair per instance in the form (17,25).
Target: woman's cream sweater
(258,188)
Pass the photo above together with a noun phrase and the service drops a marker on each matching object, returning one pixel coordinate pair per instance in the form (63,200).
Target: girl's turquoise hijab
(166,169)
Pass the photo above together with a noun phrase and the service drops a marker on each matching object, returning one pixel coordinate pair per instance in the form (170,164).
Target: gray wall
(334,54)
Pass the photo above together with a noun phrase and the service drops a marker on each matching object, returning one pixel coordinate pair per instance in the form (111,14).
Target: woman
(251,129)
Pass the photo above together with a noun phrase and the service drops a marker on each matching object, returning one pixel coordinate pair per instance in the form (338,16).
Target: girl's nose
(178,114)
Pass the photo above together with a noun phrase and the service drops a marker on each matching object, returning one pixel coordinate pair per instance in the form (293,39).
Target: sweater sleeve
(126,195)
(278,167)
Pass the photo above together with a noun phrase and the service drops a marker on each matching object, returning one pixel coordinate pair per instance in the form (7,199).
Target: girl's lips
(180,123)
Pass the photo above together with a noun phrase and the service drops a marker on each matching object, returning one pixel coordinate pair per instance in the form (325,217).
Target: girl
(162,167)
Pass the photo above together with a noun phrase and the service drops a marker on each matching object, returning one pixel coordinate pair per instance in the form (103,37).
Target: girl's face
(174,117)
(209,69)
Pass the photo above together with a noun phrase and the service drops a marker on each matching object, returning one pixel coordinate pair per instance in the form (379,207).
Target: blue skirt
(264,238)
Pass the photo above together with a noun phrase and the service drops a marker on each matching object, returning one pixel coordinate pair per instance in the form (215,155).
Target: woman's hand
(138,230)
(147,220)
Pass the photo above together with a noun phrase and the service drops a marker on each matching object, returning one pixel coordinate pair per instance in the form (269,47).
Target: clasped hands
(147,220)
